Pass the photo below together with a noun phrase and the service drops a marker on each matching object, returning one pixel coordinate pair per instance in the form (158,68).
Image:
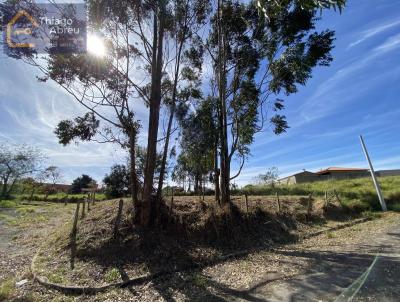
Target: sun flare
(96,46)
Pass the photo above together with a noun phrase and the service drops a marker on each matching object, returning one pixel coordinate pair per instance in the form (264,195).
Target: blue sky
(358,94)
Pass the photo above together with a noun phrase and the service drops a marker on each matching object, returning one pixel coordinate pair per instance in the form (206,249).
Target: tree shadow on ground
(324,276)
(176,246)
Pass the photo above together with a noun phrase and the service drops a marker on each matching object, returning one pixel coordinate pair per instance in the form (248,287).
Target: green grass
(7,289)
(7,204)
(356,194)
(59,197)
(199,280)
(25,213)
(112,275)
(57,278)
(8,219)
(330,235)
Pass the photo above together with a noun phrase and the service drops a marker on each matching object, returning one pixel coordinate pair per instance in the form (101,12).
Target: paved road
(370,272)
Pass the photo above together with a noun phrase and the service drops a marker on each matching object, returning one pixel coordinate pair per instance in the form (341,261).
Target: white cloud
(369,33)
(341,88)
(390,44)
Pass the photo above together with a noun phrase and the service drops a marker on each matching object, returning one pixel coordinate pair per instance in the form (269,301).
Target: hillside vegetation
(355,193)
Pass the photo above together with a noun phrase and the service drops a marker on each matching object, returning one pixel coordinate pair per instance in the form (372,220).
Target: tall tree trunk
(170,122)
(4,188)
(165,152)
(155,101)
(134,181)
(32,192)
(11,187)
(216,173)
(223,129)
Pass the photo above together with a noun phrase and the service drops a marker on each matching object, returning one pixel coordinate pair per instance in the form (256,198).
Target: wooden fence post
(337,196)
(279,202)
(118,220)
(326,198)
(247,205)
(83,209)
(172,203)
(310,205)
(88,206)
(75,224)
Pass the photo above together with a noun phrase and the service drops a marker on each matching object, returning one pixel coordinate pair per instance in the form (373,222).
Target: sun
(96,46)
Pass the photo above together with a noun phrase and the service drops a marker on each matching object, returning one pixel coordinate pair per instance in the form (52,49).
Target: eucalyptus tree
(270,7)
(198,130)
(257,60)
(188,17)
(111,87)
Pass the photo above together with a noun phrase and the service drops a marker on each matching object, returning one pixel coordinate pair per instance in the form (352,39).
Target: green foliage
(82,128)
(270,7)
(198,141)
(269,177)
(82,182)
(117,182)
(16,162)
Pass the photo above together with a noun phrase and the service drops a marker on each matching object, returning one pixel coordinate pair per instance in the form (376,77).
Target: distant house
(58,187)
(342,173)
(336,173)
(326,174)
(299,178)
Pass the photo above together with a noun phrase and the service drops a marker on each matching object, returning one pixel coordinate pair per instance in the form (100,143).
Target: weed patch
(7,289)
(112,275)
(7,204)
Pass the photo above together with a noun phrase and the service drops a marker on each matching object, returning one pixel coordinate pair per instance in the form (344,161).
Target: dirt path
(22,230)
(324,267)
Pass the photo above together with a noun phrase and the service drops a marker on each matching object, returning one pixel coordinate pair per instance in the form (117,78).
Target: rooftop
(340,169)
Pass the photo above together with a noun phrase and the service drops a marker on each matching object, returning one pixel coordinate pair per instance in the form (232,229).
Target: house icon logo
(12,32)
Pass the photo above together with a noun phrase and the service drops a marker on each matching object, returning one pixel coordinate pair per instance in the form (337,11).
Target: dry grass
(193,232)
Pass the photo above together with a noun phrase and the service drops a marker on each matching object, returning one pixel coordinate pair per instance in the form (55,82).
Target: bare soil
(98,259)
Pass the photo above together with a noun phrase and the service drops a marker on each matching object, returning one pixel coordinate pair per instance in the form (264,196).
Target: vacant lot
(195,241)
